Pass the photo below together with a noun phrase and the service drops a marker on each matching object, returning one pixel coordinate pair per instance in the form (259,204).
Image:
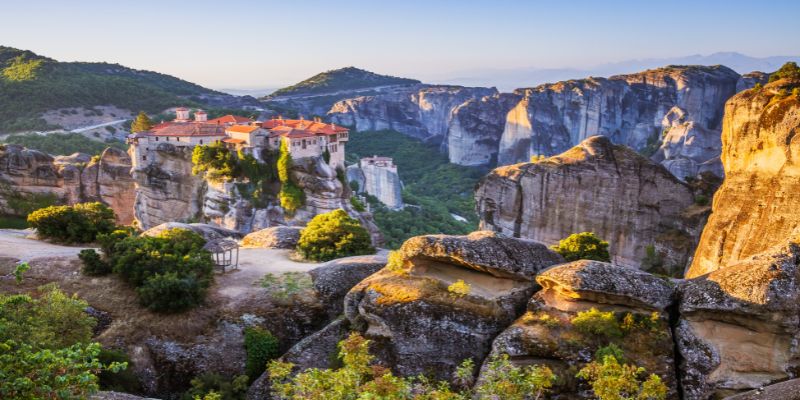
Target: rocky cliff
(383,183)
(599,187)
(167,191)
(755,208)
(29,177)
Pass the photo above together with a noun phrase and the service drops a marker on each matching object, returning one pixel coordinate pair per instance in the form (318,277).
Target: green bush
(261,347)
(120,381)
(291,197)
(80,223)
(169,292)
(333,235)
(596,322)
(583,246)
(790,70)
(93,264)
(357,204)
(217,385)
(171,271)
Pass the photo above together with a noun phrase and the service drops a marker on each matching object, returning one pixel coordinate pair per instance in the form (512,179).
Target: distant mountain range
(507,80)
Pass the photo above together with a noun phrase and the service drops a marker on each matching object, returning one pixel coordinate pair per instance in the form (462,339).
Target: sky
(258,44)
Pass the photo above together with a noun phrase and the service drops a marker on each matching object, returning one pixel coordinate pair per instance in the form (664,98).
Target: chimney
(200,116)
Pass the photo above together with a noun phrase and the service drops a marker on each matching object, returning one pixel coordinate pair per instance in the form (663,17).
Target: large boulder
(276,237)
(335,278)
(599,187)
(739,325)
(788,390)
(420,324)
(550,331)
(208,232)
(756,207)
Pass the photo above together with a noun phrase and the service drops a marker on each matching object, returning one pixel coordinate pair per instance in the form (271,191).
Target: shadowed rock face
(70,179)
(739,325)
(546,334)
(756,207)
(598,187)
(419,326)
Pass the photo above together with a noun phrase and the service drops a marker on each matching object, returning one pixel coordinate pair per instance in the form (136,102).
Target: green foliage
(333,235)
(45,349)
(19,272)
(93,264)
(583,246)
(170,292)
(210,386)
(326,155)
(357,204)
(359,379)
(652,261)
(502,380)
(596,322)
(22,204)
(284,162)
(63,143)
(790,70)
(80,223)
(50,85)
(119,381)
(215,160)
(434,187)
(291,197)
(341,79)
(611,380)
(701,200)
(261,347)
(286,285)
(12,222)
(141,123)
(171,271)
(21,69)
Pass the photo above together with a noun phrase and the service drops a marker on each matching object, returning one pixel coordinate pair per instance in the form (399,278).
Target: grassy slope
(59,85)
(438,187)
(341,79)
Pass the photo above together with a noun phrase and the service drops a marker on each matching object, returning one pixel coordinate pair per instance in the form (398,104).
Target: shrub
(790,70)
(357,204)
(215,160)
(611,380)
(261,347)
(596,322)
(291,197)
(80,223)
(583,246)
(701,200)
(505,381)
(217,387)
(92,263)
(118,381)
(169,292)
(333,235)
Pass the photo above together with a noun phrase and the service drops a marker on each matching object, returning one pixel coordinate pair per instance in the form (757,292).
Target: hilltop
(31,84)
(349,78)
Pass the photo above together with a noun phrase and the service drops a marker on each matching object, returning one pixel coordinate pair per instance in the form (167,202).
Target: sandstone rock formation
(421,111)
(208,232)
(739,325)
(418,325)
(474,133)
(27,174)
(599,187)
(549,333)
(755,208)
(335,278)
(277,237)
(379,180)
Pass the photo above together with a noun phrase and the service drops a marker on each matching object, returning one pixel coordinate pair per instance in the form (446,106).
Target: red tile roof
(311,126)
(232,140)
(242,128)
(230,119)
(187,129)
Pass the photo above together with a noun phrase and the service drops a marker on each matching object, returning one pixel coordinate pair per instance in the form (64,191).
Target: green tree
(261,347)
(284,162)
(502,380)
(333,235)
(141,123)
(81,223)
(611,380)
(22,69)
(583,246)
(215,160)
(790,70)
(291,197)
(45,347)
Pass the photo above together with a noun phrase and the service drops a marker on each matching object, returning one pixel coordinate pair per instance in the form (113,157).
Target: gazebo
(222,250)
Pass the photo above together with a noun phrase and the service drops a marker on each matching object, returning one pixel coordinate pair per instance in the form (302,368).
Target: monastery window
(156,138)
(144,158)
(201,141)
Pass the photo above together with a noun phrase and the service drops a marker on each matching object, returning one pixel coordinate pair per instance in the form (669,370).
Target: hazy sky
(235,43)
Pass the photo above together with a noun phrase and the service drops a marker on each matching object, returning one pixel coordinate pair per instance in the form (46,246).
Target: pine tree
(141,123)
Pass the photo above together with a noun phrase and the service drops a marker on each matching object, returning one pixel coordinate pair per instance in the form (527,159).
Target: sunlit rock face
(598,187)
(638,110)
(739,325)
(67,179)
(418,325)
(756,207)
(474,133)
(548,334)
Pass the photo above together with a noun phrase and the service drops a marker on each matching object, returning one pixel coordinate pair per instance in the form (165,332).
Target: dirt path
(15,244)
(253,265)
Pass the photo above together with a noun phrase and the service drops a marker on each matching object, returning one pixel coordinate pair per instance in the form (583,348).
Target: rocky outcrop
(335,278)
(749,80)
(29,177)
(638,110)
(599,187)
(277,237)
(208,232)
(550,332)
(474,133)
(755,209)
(421,111)
(788,390)
(739,325)
(419,325)
(381,181)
